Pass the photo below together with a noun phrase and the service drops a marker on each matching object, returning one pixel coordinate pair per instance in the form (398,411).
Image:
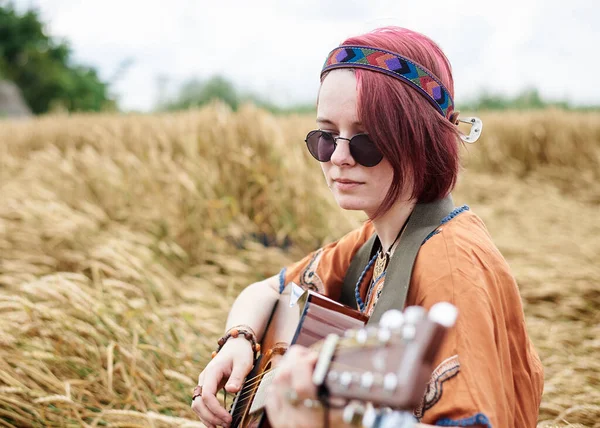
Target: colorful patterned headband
(394,65)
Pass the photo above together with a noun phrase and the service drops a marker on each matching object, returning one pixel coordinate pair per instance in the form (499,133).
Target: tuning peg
(384,335)
(391,319)
(361,336)
(409,331)
(370,417)
(443,313)
(345,379)
(353,413)
(390,382)
(414,314)
(366,380)
(372,330)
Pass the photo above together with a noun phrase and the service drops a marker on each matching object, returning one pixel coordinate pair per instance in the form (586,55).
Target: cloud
(277,48)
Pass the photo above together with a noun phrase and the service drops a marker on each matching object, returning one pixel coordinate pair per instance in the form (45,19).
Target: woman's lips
(345,185)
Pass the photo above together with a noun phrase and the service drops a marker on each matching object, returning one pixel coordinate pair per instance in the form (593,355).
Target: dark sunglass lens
(321,145)
(364,151)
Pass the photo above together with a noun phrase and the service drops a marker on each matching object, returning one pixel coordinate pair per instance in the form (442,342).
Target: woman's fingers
(209,396)
(291,386)
(275,407)
(286,366)
(238,374)
(301,376)
(232,366)
(210,420)
(295,373)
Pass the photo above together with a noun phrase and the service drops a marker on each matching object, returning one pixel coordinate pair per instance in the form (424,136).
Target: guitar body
(311,318)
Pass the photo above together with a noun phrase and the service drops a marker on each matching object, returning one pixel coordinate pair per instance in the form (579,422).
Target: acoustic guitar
(387,366)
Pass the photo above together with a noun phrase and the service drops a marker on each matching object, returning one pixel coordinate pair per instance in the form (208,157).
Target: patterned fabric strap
(394,65)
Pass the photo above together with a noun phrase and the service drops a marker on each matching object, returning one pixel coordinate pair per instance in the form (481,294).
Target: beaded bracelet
(234,332)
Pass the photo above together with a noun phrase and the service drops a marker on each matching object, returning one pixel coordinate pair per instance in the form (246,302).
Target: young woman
(388,144)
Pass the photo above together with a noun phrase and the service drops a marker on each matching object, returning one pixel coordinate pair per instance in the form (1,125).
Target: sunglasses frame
(311,133)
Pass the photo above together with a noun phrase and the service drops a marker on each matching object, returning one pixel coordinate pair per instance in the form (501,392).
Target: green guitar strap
(424,219)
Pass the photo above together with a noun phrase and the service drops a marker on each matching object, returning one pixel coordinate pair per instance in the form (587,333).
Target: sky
(275,48)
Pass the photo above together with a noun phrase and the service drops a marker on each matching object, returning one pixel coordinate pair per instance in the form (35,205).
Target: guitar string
(258,378)
(243,396)
(245,393)
(240,404)
(261,375)
(241,401)
(255,380)
(248,395)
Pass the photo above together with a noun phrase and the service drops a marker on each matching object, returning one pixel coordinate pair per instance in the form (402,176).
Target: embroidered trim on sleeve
(446,370)
(309,278)
(478,419)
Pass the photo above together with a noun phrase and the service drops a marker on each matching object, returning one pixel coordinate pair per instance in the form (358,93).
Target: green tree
(194,93)
(42,67)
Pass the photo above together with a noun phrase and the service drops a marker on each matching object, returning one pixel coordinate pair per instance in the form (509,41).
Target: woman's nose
(341,155)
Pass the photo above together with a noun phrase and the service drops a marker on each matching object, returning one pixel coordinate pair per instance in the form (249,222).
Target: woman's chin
(352,204)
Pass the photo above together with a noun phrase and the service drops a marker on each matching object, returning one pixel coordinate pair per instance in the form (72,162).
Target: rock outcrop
(12,103)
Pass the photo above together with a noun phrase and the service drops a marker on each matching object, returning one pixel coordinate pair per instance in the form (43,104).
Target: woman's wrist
(238,332)
(244,327)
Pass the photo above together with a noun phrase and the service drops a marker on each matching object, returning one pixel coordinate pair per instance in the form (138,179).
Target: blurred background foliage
(196,92)
(43,69)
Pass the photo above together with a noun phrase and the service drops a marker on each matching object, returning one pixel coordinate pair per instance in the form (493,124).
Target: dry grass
(124,240)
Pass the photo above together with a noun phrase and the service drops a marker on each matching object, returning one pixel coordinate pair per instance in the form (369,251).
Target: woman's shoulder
(463,231)
(460,255)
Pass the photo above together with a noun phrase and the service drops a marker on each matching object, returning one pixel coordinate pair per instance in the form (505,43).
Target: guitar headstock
(388,365)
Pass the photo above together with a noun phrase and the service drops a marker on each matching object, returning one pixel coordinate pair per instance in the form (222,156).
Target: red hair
(420,144)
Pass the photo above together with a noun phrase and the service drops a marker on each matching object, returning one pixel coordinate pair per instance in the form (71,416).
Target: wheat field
(124,240)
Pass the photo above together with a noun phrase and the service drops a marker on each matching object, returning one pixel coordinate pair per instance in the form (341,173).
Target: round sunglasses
(322,144)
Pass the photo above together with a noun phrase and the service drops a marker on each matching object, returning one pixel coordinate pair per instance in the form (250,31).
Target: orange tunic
(487,371)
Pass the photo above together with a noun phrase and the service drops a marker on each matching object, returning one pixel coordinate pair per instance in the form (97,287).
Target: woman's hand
(291,386)
(229,367)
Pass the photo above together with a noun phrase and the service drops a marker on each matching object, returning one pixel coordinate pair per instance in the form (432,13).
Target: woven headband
(394,65)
